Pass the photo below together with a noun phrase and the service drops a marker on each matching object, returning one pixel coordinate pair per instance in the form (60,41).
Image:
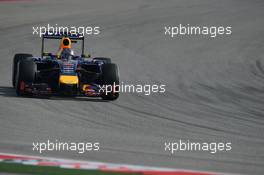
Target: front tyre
(18,57)
(110,78)
(26,71)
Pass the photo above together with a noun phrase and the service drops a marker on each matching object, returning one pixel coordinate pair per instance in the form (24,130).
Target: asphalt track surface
(214,87)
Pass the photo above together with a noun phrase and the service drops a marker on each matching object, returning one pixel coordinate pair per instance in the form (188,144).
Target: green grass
(48,170)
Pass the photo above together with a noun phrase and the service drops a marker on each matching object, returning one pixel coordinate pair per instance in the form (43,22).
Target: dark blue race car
(65,73)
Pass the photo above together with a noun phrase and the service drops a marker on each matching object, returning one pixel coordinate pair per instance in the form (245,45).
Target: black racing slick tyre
(105,60)
(110,79)
(26,72)
(16,59)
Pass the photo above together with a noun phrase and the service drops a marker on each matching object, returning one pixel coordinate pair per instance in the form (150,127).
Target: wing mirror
(86,55)
(46,54)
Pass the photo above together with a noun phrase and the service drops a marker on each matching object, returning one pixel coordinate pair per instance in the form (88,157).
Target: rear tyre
(105,60)
(18,57)
(110,79)
(26,71)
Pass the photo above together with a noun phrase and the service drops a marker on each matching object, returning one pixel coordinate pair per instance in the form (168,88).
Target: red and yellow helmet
(65,43)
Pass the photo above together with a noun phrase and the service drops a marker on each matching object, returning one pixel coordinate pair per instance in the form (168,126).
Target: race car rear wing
(52,35)
(73,36)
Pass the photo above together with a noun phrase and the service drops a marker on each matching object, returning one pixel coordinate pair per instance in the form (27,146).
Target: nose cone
(68,79)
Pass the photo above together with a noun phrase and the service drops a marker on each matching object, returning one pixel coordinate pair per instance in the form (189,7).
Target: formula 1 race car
(65,73)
